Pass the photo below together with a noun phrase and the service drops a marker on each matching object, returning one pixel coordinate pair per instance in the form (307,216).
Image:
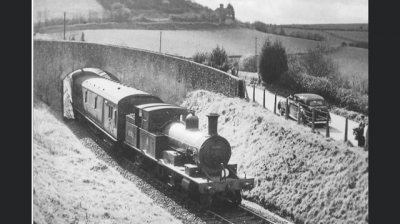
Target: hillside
(300,175)
(70,185)
(238,41)
(49,9)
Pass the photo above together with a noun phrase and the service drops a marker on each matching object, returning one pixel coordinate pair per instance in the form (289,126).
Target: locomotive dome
(192,122)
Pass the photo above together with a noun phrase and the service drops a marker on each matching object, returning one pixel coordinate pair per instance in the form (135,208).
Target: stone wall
(162,75)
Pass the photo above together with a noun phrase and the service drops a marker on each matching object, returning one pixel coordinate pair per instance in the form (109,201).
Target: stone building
(225,14)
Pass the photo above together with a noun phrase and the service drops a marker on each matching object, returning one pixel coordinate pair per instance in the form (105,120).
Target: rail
(214,215)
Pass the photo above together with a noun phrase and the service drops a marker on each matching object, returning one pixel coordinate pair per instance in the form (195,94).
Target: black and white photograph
(200,111)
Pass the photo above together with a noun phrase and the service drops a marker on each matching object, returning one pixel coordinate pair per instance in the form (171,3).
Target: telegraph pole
(160,40)
(255,46)
(64,25)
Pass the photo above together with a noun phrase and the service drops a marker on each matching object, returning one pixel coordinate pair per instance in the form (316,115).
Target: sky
(296,11)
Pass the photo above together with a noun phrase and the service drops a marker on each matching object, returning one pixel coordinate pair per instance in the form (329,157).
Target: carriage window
(110,110)
(86,92)
(95,102)
(115,118)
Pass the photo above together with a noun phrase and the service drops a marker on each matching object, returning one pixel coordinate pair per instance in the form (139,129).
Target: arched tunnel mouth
(67,82)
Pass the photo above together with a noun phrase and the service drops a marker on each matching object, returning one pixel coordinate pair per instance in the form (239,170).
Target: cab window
(316,103)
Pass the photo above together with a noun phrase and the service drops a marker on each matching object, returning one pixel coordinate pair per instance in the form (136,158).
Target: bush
(120,12)
(219,59)
(273,61)
(200,57)
(344,44)
(316,64)
(248,63)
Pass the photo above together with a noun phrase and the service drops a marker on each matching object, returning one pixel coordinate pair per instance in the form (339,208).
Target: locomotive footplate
(207,186)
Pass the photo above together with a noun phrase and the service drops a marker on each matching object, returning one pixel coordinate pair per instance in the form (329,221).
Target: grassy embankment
(71,185)
(300,175)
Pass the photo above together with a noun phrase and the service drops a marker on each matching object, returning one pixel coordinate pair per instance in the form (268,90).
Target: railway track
(240,214)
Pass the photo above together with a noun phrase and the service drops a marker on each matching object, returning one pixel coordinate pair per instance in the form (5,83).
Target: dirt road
(336,127)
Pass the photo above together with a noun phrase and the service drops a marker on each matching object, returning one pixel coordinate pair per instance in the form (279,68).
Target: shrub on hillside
(200,57)
(120,12)
(273,61)
(361,44)
(315,63)
(219,59)
(248,63)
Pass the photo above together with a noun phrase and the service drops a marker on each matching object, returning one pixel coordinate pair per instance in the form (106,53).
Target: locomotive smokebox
(213,124)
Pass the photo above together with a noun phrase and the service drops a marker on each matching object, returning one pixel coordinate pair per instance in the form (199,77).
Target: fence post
(62,98)
(264,99)
(366,140)
(345,130)
(313,120)
(298,113)
(254,92)
(286,109)
(275,105)
(327,124)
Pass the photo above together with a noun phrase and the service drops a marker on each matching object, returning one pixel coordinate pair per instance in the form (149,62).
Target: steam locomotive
(160,137)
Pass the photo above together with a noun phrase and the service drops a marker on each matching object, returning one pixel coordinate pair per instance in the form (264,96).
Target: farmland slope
(187,42)
(70,185)
(49,9)
(300,175)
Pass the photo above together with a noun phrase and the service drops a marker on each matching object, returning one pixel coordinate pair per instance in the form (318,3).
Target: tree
(232,9)
(219,59)
(273,61)
(282,32)
(317,64)
(120,12)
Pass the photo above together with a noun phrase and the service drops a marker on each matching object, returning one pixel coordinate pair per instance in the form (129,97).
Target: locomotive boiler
(162,138)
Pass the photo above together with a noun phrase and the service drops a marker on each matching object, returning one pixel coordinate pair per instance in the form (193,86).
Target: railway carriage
(160,137)
(104,103)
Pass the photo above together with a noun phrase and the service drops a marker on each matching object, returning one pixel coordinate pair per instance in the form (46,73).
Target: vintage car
(307,101)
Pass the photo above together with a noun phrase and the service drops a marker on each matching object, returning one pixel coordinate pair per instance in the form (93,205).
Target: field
(55,9)
(353,61)
(350,26)
(186,43)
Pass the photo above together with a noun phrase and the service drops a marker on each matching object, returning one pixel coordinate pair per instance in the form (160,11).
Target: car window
(316,103)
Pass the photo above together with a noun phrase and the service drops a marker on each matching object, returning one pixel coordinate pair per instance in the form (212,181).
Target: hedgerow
(248,63)
(303,83)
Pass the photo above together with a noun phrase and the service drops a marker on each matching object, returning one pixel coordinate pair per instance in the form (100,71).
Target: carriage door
(109,118)
(293,109)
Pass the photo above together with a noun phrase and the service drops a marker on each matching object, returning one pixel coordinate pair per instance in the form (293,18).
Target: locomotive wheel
(235,197)
(206,201)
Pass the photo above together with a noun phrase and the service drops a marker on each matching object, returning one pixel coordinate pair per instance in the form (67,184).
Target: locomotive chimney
(221,6)
(213,124)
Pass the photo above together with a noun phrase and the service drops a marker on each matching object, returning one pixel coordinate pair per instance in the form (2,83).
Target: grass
(349,26)
(350,35)
(353,65)
(297,174)
(187,42)
(70,185)
(55,8)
